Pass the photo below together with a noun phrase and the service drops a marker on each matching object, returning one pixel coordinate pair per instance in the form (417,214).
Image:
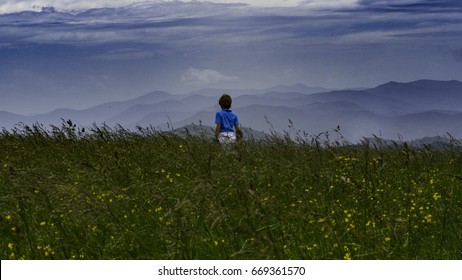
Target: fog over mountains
(407,111)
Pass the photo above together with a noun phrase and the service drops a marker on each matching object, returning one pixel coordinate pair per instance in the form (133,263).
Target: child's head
(225,101)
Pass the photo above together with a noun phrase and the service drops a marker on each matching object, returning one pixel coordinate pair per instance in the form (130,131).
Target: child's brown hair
(225,101)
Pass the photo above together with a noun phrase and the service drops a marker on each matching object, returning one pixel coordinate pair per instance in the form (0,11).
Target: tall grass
(109,193)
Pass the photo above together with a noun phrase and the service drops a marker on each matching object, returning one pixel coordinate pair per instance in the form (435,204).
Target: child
(226,121)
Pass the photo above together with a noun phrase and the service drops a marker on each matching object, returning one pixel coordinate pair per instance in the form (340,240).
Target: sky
(76,54)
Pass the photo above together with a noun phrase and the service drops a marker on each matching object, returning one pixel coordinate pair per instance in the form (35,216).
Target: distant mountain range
(423,108)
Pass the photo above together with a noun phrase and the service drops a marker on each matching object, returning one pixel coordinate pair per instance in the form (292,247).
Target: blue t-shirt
(228,119)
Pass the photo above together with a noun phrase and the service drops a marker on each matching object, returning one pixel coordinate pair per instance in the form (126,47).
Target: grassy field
(114,194)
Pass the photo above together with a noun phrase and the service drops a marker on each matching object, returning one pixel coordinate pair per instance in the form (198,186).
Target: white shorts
(227,137)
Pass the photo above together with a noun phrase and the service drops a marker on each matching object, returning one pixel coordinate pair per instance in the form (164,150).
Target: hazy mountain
(310,119)
(104,112)
(423,108)
(8,119)
(284,94)
(270,99)
(161,120)
(376,103)
(139,111)
(299,88)
(200,101)
(424,95)
(430,123)
(428,108)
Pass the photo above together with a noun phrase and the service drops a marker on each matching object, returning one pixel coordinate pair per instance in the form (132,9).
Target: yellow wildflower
(428,218)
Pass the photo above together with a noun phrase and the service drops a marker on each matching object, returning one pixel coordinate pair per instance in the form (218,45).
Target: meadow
(109,193)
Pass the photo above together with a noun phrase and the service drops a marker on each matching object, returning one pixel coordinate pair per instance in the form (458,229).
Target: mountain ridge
(417,109)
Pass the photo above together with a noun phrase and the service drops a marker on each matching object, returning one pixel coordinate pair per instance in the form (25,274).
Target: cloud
(262,3)
(408,5)
(131,54)
(10,6)
(176,25)
(329,4)
(203,77)
(145,22)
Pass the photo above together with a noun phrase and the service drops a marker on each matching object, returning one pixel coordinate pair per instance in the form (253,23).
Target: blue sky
(82,53)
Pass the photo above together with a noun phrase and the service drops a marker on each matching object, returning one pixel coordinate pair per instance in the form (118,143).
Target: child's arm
(239,133)
(217,131)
